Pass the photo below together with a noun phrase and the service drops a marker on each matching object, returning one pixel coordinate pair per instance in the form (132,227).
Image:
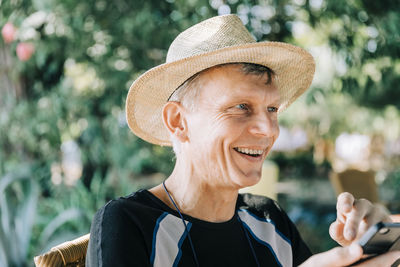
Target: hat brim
(293,67)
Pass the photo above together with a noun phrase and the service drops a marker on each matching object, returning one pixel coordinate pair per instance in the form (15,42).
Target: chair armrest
(70,253)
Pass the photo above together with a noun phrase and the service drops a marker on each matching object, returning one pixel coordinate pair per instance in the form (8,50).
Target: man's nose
(264,125)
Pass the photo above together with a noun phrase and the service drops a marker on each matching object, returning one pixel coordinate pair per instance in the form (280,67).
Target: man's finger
(378,214)
(345,202)
(362,228)
(339,256)
(336,233)
(361,208)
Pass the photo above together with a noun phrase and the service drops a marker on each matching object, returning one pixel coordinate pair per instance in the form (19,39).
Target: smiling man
(216,101)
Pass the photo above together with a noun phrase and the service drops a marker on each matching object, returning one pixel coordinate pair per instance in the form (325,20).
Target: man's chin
(248,180)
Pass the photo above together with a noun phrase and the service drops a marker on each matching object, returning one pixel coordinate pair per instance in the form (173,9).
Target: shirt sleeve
(115,240)
(300,250)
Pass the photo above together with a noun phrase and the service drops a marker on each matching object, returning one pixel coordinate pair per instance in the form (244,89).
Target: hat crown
(210,35)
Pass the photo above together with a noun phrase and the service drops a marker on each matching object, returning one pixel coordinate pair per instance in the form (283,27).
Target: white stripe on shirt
(166,246)
(264,231)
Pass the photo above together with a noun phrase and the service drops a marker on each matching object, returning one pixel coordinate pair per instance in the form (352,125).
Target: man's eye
(242,106)
(272,109)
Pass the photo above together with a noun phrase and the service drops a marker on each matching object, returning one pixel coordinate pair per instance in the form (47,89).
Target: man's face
(233,127)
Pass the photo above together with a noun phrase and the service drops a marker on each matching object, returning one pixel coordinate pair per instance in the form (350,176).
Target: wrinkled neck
(196,196)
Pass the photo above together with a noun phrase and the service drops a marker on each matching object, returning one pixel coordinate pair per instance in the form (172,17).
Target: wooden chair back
(359,183)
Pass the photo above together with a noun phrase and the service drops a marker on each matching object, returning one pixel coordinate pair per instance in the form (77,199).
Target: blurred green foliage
(18,199)
(87,53)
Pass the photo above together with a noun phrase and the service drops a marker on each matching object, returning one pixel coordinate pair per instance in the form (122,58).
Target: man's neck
(196,198)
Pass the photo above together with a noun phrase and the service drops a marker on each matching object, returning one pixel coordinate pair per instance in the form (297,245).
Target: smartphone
(381,238)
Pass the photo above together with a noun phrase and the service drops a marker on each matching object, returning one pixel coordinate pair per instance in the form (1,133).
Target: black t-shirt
(141,230)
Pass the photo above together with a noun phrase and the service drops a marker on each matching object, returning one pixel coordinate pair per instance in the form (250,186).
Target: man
(216,101)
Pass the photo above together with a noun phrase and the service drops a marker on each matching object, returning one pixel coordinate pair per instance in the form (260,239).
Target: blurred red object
(395,217)
(25,51)
(8,32)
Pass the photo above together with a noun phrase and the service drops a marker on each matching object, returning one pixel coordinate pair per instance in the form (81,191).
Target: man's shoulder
(119,203)
(123,224)
(138,204)
(262,211)
(258,203)
(263,208)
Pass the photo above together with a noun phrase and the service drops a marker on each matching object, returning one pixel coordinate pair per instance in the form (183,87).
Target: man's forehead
(233,72)
(230,81)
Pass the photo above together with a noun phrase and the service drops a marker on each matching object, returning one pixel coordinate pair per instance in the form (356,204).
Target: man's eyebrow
(244,100)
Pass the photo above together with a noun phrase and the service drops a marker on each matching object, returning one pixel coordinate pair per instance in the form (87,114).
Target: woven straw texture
(215,41)
(71,253)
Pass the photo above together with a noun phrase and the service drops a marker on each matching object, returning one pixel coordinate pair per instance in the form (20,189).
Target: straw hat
(215,41)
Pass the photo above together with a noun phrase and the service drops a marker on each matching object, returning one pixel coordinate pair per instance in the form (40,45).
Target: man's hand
(346,256)
(354,217)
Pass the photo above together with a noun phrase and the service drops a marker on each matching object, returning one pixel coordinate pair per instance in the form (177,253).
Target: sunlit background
(65,148)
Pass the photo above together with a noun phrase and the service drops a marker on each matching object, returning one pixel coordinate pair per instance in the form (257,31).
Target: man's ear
(173,115)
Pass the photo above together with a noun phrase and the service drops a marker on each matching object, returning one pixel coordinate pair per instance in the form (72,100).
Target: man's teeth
(252,152)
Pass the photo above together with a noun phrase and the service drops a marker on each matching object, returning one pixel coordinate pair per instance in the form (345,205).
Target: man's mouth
(250,152)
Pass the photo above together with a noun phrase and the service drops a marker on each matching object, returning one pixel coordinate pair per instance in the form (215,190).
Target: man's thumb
(336,257)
